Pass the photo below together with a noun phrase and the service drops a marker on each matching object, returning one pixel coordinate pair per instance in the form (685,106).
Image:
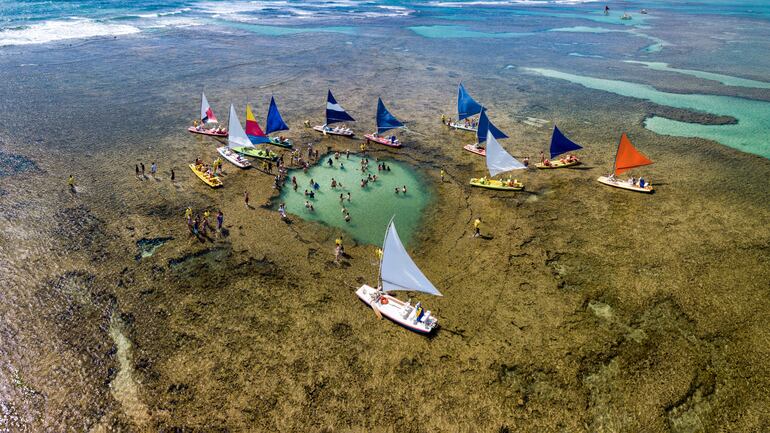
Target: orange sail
(628,157)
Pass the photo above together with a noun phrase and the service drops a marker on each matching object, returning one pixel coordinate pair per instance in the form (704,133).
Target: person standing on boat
(477,227)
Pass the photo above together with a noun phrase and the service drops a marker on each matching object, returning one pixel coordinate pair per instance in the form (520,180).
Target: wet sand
(583,308)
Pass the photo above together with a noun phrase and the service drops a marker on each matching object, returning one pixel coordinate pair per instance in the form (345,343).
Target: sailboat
(237,138)
(335,114)
(275,123)
(560,144)
(466,107)
(499,161)
(254,135)
(207,116)
(481,135)
(399,272)
(627,158)
(385,122)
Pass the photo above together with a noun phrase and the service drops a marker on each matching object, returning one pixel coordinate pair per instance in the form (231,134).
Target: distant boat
(385,122)
(335,114)
(643,12)
(275,123)
(560,144)
(626,158)
(245,140)
(499,161)
(625,16)
(237,138)
(399,273)
(207,116)
(481,135)
(466,107)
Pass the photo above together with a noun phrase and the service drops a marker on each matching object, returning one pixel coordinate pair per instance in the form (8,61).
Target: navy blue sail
(274,121)
(561,144)
(385,120)
(484,125)
(334,112)
(466,106)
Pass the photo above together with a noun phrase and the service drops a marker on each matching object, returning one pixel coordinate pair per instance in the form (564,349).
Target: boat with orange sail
(626,158)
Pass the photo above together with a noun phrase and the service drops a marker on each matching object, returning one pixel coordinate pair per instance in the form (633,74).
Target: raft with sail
(467,107)
(385,122)
(398,272)
(481,135)
(254,135)
(499,161)
(560,145)
(274,123)
(237,138)
(626,158)
(335,114)
(207,116)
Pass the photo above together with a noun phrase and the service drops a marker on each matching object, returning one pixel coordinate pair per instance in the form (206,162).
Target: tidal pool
(748,135)
(370,207)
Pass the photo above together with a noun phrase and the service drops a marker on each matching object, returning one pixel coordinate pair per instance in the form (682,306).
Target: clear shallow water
(370,207)
(721,78)
(748,135)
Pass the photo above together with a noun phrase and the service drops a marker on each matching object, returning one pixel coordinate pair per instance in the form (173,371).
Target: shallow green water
(370,207)
(748,135)
(450,32)
(727,80)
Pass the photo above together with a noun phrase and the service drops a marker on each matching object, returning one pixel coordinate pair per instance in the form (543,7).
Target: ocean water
(370,207)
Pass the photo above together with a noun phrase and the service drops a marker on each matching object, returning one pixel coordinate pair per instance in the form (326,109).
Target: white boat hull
(234,158)
(345,132)
(396,310)
(624,184)
(462,127)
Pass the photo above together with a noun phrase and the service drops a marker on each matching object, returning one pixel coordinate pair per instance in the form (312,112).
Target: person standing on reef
(246,198)
(153,169)
(477,227)
(142,165)
(173,175)
(220,222)
(442,175)
(188,213)
(137,169)
(71,183)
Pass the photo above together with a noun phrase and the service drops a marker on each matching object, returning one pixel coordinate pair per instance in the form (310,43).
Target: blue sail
(385,120)
(561,144)
(484,125)
(334,112)
(274,121)
(466,106)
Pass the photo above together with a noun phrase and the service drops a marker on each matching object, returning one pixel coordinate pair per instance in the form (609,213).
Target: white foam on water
(164,14)
(57,30)
(459,4)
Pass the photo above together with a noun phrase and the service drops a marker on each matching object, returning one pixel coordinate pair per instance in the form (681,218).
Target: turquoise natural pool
(748,135)
(370,207)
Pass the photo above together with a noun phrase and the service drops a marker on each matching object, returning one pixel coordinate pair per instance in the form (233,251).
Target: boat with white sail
(237,138)
(499,161)
(385,122)
(626,158)
(398,272)
(207,123)
(255,136)
(335,114)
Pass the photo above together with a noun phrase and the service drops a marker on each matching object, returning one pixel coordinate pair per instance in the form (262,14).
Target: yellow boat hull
(496,184)
(212,181)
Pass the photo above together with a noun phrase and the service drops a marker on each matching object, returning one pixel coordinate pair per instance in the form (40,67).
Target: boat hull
(213,182)
(254,152)
(394,310)
(556,164)
(209,132)
(382,140)
(233,157)
(472,148)
(624,185)
(332,131)
(462,127)
(496,184)
(275,141)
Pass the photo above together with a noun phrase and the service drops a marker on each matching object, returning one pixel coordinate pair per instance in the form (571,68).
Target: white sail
(498,160)
(204,105)
(398,271)
(236,135)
